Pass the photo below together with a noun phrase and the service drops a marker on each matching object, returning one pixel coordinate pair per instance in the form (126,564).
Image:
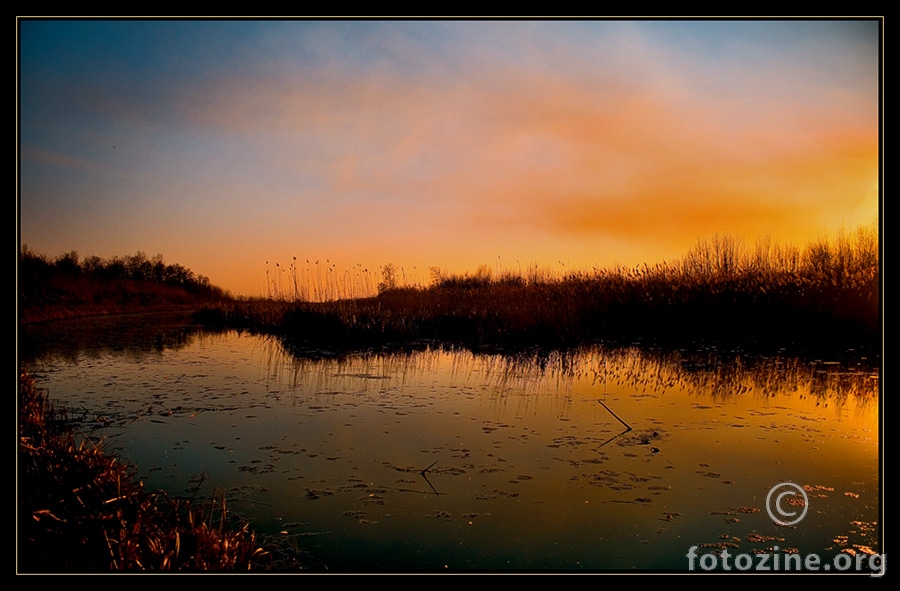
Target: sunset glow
(229,146)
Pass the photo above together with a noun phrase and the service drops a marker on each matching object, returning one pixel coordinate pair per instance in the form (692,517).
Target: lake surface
(441,461)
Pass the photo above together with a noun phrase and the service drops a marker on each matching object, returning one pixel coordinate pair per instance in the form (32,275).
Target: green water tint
(449,461)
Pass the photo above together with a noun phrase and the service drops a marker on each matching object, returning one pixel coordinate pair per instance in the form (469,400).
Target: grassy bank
(68,286)
(80,510)
(825,295)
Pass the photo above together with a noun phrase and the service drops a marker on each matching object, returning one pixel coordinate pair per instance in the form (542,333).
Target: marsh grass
(824,295)
(81,510)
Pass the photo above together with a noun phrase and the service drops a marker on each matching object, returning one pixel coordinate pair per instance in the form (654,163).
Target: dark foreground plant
(81,510)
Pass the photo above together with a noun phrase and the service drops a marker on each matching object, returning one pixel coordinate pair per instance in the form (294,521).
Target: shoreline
(83,511)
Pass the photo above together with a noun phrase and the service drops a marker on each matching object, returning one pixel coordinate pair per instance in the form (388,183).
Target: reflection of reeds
(81,510)
(539,373)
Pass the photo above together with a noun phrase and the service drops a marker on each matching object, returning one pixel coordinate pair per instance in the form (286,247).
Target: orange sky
(224,145)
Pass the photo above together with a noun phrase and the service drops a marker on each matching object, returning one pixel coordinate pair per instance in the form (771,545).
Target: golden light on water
(604,459)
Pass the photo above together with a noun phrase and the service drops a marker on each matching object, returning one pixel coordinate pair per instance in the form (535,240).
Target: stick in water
(627,426)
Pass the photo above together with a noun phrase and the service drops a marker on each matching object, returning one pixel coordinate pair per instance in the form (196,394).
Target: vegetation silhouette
(68,286)
(823,296)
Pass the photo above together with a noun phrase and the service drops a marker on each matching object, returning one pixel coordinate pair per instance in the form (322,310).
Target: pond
(448,461)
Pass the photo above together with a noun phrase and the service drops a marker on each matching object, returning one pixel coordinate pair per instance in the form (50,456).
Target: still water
(443,461)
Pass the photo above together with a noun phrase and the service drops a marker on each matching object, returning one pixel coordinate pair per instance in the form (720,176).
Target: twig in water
(429,483)
(627,426)
(428,469)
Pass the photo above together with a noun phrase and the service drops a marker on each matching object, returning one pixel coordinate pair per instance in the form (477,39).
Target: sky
(229,146)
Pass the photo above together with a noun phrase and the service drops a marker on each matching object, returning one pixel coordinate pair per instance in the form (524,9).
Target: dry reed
(825,295)
(81,510)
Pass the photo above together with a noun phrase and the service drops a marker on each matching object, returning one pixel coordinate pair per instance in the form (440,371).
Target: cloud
(478,133)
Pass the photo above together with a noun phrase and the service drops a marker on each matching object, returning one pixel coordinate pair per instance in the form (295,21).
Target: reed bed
(81,510)
(824,295)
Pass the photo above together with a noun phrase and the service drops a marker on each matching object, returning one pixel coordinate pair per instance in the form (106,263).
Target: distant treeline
(69,281)
(825,294)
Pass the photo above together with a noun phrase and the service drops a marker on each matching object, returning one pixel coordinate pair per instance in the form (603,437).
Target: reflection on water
(436,460)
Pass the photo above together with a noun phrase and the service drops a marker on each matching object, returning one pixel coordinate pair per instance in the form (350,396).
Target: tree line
(70,279)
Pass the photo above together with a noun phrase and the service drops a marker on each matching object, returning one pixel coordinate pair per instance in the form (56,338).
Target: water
(438,461)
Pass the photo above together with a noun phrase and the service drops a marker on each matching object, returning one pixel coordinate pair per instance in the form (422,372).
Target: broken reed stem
(609,410)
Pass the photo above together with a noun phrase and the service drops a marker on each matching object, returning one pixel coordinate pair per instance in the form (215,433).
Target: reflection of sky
(225,144)
(531,467)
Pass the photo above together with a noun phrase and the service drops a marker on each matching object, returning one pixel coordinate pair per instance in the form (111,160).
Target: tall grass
(825,294)
(323,281)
